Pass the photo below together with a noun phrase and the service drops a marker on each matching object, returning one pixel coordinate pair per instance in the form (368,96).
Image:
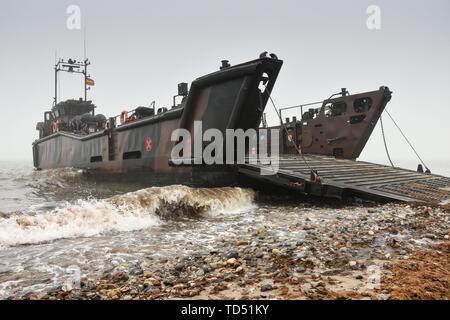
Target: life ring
(55,127)
(123,117)
(289,137)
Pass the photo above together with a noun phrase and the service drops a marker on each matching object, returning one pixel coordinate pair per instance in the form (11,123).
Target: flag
(90,82)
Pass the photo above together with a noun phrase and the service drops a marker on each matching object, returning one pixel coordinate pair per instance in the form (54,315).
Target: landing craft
(137,142)
(316,151)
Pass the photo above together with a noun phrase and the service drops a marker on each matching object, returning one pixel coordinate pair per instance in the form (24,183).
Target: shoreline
(368,258)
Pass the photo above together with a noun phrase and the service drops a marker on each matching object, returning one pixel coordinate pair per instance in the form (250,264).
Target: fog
(140,50)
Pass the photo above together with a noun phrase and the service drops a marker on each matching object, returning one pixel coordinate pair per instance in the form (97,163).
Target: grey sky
(140,50)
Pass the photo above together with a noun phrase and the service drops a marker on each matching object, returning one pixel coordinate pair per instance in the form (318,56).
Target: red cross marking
(148,144)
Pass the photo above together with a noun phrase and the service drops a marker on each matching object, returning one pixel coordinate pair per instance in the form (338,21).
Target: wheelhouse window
(132,155)
(97,159)
(334,109)
(362,104)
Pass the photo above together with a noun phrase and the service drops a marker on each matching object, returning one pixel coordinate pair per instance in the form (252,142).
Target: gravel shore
(388,251)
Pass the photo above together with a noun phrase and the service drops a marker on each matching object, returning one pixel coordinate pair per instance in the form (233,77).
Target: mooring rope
(384,141)
(407,140)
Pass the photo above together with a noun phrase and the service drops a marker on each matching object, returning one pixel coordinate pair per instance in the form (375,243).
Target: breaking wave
(53,178)
(131,211)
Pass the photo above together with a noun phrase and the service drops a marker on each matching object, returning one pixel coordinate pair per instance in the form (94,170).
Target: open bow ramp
(339,178)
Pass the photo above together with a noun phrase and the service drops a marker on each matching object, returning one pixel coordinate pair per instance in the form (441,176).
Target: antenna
(55,99)
(59,88)
(84,41)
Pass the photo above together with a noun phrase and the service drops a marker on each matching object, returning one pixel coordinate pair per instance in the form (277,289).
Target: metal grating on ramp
(340,178)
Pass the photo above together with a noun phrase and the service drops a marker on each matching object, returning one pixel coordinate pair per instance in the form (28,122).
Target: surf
(137,210)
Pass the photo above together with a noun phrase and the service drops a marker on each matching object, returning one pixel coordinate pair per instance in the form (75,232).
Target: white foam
(131,211)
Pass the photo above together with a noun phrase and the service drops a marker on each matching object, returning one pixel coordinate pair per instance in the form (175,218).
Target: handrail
(118,116)
(155,115)
(152,104)
(299,106)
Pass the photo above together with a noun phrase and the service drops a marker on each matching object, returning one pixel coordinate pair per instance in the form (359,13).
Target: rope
(404,136)
(313,172)
(384,141)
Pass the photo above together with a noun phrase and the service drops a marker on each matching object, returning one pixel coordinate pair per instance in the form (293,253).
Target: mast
(86,63)
(55,99)
(72,66)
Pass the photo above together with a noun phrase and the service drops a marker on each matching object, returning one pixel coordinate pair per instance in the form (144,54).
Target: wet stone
(266,287)
(300,270)
(119,277)
(232,254)
(179,266)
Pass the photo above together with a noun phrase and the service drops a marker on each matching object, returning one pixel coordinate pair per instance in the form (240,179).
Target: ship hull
(138,164)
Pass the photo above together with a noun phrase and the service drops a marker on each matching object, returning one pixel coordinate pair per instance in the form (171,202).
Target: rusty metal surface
(340,178)
(341,132)
(346,133)
(331,131)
